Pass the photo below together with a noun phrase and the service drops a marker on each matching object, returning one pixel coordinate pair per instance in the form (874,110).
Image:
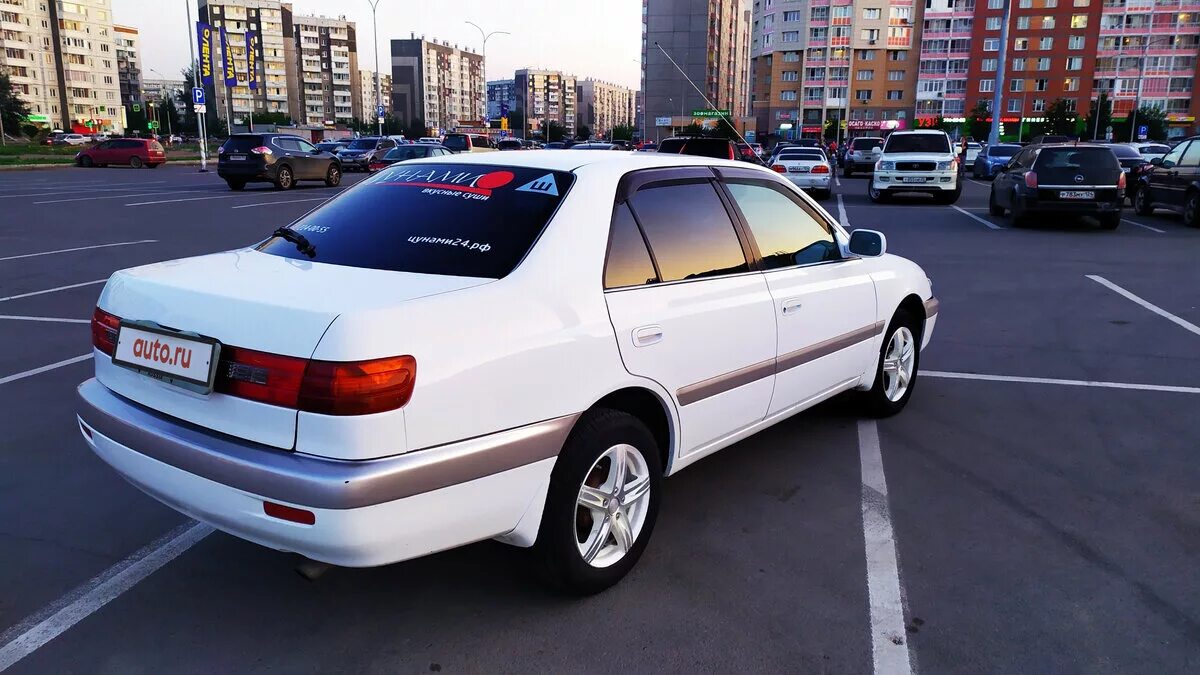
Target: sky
(592,38)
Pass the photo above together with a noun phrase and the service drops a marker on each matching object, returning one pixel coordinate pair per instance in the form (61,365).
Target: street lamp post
(483,56)
(196,82)
(378,81)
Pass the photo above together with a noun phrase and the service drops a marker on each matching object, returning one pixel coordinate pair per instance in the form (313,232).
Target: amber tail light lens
(358,387)
(104,331)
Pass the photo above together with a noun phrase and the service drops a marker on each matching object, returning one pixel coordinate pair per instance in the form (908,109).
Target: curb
(45,167)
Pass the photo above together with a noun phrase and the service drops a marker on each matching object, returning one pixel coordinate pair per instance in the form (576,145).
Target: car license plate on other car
(797,169)
(237,158)
(1077,194)
(182,359)
(914,179)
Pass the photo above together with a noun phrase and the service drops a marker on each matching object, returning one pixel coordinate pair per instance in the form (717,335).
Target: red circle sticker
(495,179)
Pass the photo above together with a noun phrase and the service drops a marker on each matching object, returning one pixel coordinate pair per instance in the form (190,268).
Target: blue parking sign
(198,95)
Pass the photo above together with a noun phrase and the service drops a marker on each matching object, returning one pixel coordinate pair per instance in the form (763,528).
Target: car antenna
(706,99)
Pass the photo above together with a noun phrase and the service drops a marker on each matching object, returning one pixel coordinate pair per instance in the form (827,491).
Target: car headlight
(944,166)
(885,166)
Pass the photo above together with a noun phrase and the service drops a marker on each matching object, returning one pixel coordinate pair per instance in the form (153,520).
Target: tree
(978,126)
(1154,119)
(1099,117)
(556,131)
(692,129)
(583,131)
(1060,120)
(167,117)
(276,118)
(13,109)
(622,132)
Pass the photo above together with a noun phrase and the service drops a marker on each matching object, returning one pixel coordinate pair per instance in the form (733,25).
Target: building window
(986,85)
(1082,3)
(1071,84)
(1079,21)
(789,76)
(1040,85)
(1072,104)
(791,36)
(1021,44)
(865,54)
(1014,105)
(1046,43)
(995,4)
(872,14)
(989,65)
(897,55)
(1018,65)
(866,75)
(991,45)
(788,95)
(902,13)
(791,57)
(862,95)
(993,23)
(869,34)
(1047,22)
(1016,85)
(895,75)
(895,94)
(1044,64)
(1073,63)
(1022,23)
(1075,42)
(792,16)
(1039,105)
(1026,4)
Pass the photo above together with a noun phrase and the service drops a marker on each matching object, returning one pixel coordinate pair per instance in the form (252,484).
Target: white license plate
(914,179)
(1077,194)
(237,158)
(188,361)
(797,169)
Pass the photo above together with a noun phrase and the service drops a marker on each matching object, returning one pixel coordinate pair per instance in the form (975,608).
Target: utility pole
(483,55)
(998,94)
(378,81)
(196,83)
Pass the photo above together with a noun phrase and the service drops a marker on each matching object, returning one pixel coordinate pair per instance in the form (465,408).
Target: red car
(134,152)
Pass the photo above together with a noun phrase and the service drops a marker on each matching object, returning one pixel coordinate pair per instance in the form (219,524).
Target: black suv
(281,159)
(1173,183)
(1058,180)
(700,146)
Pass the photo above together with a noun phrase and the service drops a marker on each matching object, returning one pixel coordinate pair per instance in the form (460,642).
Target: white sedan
(516,346)
(806,168)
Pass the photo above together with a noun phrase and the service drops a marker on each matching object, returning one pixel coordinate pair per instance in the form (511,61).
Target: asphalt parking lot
(1042,491)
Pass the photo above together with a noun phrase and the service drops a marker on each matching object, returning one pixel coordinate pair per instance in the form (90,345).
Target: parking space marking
(1068,383)
(980,183)
(972,216)
(52,290)
(98,188)
(1147,227)
(889,643)
(80,248)
(837,180)
(43,369)
(290,201)
(842,214)
(1185,324)
(136,194)
(233,196)
(46,319)
(34,632)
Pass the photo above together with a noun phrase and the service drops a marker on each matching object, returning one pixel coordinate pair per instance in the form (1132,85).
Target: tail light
(1031,179)
(779,168)
(1121,181)
(261,150)
(104,331)
(156,146)
(820,168)
(375,166)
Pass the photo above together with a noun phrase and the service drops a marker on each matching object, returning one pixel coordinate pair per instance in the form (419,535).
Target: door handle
(791,306)
(647,335)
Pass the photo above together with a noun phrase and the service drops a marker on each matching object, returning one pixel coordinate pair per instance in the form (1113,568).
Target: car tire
(135,162)
(1191,210)
(876,195)
(284,178)
(588,460)
(1141,202)
(86,162)
(994,207)
(1109,221)
(333,175)
(900,353)
(236,185)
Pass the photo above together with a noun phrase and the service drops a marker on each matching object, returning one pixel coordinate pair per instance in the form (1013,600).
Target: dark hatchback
(1058,180)
(1173,183)
(281,159)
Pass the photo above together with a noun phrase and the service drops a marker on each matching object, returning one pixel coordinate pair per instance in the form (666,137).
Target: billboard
(204,43)
(252,58)
(230,73)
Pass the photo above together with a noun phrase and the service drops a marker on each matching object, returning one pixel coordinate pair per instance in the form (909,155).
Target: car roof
(569,160)
(930,132)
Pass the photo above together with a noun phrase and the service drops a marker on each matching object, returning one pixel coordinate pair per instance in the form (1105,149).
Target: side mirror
(1156,161)
(868,243)
(317,151)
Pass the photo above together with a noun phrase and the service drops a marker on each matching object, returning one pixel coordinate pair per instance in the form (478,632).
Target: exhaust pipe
(312,569)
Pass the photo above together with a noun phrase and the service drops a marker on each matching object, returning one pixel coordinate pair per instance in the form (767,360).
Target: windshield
(456,142)
(363,144)
(1003,150)
(917,143)
(807,155)
(455,219)
(866,143)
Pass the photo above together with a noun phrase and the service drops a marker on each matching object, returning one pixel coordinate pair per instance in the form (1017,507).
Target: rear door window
(453,219)
(629,262)
(689,231)
(1191,156)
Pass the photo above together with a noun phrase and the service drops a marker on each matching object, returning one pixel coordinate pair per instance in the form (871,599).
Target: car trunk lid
(1077,166)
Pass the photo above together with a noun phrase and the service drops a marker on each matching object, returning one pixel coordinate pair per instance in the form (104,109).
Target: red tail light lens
(359,387)
(1121,181)
(258,376)
(1031,179)
(104,331)
(261,150)
(779,168)
(820,168)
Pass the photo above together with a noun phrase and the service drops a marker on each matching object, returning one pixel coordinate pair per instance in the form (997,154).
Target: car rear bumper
(245,171)
(810,181)
(366,512)
(1082,208)
(859,165)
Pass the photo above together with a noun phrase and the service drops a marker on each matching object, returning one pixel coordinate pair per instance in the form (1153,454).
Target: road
(1041,487)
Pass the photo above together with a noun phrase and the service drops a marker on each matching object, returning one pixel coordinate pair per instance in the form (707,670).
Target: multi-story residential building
(546,96)
(842,63)
(326,88)
(61,56)
(366,85)
(272,20)
(157,89)
(603,105)
(437,82)
(709,40)
(129,67)
(501,95)
(1072,51)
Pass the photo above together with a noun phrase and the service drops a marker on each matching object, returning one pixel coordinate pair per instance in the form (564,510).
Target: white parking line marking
(136,194)
(56,619)
(233,196)
(52,290)
(1185,324)
(290,201)
(80,248)
(47,319)
(1068,383)
(1152,229)
(38,371)
(972,216)
(889,643)
(98,188)
(979,182)
(842,214)
(837,180)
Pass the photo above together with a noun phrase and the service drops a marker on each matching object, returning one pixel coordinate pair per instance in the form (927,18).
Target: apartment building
(604,105)
(546,96)
(129,67)
(272,21)
(501,96)
(437,82)
(61,57)
(326,88)
(366,79)
(852,65)
(158,89)
(709,40)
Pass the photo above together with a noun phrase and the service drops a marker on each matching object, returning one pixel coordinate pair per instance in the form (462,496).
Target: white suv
(516,346)
(916,161)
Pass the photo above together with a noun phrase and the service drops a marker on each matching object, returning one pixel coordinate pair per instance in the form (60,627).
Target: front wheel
(284,180)
(1141,201)
(85,162)
(878,196)
(333,175)
(896,374)
(994,207)
(602,502)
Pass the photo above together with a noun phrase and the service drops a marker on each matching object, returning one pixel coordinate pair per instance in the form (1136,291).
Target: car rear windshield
(403,152)
(1082,165)
(455,219)
(700,147)
(1155,149)
(456,142)
(802,154)
(917,143)
(363,144)
(1003,150)
(866,143)
(243,143)
(1125,152)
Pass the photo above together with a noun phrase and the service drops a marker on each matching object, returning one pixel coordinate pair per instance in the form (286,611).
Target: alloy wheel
(899,362)
(612,504)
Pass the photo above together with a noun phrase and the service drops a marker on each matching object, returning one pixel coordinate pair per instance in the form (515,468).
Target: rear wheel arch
(651,410)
